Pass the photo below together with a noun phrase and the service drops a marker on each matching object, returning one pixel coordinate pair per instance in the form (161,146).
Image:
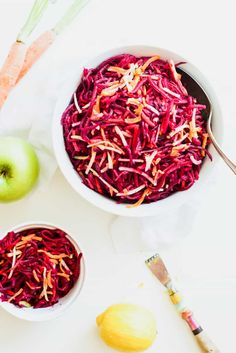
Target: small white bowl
(105,203)
(44,314)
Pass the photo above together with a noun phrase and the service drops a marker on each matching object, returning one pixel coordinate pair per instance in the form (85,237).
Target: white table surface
(204,263)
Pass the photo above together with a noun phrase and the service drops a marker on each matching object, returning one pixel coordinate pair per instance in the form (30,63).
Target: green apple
(19,168)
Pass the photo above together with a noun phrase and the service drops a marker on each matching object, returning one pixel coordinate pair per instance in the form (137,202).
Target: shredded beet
(37,267)
(132,131)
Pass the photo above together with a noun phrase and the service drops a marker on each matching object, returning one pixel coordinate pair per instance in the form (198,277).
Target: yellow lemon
(127,327)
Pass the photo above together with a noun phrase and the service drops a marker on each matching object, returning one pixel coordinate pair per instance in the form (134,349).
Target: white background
(204,263)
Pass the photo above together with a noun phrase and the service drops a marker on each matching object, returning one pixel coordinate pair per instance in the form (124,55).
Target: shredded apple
(37,267)
(132,131)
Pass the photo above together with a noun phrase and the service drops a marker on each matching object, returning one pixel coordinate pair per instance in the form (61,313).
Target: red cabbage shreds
(132,132)
(37,267)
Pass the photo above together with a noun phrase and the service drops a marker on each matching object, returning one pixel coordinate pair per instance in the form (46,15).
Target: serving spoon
(196,91)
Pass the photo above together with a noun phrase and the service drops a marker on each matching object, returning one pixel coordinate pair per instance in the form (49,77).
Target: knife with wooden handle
(158,268)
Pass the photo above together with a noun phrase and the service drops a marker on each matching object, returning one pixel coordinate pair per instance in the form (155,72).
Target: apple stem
(5,171)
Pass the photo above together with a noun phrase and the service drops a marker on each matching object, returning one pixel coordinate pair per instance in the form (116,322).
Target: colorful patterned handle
(203,340)
(205,343)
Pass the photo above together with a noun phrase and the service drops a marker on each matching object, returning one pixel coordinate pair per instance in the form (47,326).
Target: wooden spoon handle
(205,343)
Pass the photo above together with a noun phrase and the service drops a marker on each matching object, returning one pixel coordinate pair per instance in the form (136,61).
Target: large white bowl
(103,202)
(43,314)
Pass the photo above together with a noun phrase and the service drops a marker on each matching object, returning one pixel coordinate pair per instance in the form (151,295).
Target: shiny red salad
(37,267)
(132,131)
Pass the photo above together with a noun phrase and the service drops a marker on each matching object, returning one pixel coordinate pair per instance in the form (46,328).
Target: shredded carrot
(119,70)
(204,142)
(140,201)
(139,110)
(21,245)
(64,275)
(104,181)
(81,157)
(177,149)
(154,170)
(111,149)
(110,91)
(158,173)
(61,266)
(90,164)
(149,61)
(175,152)
(120,133)
(31,287)
(25,240)
(28,237)
(103,134)
(134,82)
(133,101)
(45,285)
(176,76)
(49,279)
(110,161)
(35,276)
(24,243)
(192,126)
(133,120)
(96,108)
(76,137)
(101,142)
(55,257)
(15,295)
(31,237)
(50,292)
(53,261)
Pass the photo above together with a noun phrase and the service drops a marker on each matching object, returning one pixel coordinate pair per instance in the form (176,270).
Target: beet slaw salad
(132,131)
(37,267)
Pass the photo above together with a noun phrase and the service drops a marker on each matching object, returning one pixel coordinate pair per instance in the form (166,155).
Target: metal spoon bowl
(196,91)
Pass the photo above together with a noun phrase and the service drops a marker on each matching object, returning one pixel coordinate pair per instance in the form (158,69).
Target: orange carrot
(35,50)
(15,59)
(41,44)
(19,61)
(11,69)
